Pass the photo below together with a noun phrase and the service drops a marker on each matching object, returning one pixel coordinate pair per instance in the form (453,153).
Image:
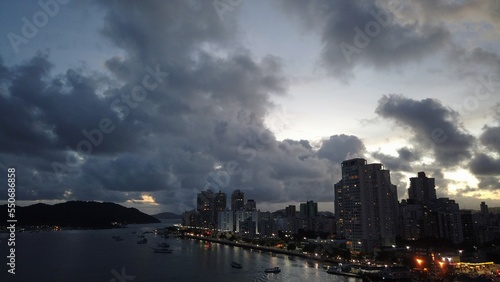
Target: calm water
(92,255)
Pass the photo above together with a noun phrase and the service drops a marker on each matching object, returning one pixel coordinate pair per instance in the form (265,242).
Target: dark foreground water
(93,255)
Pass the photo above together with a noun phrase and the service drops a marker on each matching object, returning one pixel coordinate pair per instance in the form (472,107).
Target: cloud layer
(169,118)
(183,106)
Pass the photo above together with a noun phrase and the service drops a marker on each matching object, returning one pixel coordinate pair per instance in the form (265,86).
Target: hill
(77,214)
(167,215)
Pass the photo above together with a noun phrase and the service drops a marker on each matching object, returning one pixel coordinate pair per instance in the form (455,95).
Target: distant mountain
(167,215)
(326,213)
(77,214)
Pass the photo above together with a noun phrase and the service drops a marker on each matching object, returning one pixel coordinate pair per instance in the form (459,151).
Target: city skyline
(368,215)
(149,104)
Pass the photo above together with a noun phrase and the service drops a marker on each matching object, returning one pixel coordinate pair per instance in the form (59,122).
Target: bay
(93,255)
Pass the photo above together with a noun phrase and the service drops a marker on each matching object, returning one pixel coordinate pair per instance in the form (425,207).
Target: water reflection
(92,255)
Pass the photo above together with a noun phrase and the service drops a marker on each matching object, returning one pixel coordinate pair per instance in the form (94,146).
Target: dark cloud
(483,164)
(409,154)
(490,138)
(489,182)
(434,127)
(393,163)
(341,147)
(186,105)
(368,32)
(304,143)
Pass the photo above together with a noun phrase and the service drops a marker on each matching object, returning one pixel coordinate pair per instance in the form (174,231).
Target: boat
(162,250)
(236,264)
(275,269)
(163,245)
(117,238)
(338,271)
(142,241)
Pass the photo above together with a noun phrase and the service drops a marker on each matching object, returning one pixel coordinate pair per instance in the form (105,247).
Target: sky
(147,103)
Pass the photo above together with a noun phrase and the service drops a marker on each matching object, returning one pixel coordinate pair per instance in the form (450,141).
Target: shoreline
(260,248)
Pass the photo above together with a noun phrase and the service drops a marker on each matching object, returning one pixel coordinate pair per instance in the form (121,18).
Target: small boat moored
(236,264)
(162,250)
(273,270)
(337,270)
(142,241)
(163,245)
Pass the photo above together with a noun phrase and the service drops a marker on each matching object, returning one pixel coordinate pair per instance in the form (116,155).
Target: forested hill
(77,214)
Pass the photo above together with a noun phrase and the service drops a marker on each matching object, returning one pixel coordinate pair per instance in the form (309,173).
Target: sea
(93,255)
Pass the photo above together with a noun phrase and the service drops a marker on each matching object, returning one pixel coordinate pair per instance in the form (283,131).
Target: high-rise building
(422,189)
(250,205)
(365,205)
(410,220)
(219,205)
(449,220)
(309,209)
(205,207)
(191,218)
(307,216)
(290,211)
(237,204)
(237,200)
(247,222)
(220,201)
(485,215)
(225,220)
(268,227)
(467,226)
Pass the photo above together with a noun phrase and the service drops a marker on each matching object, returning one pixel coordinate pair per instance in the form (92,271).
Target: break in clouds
(183,108)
